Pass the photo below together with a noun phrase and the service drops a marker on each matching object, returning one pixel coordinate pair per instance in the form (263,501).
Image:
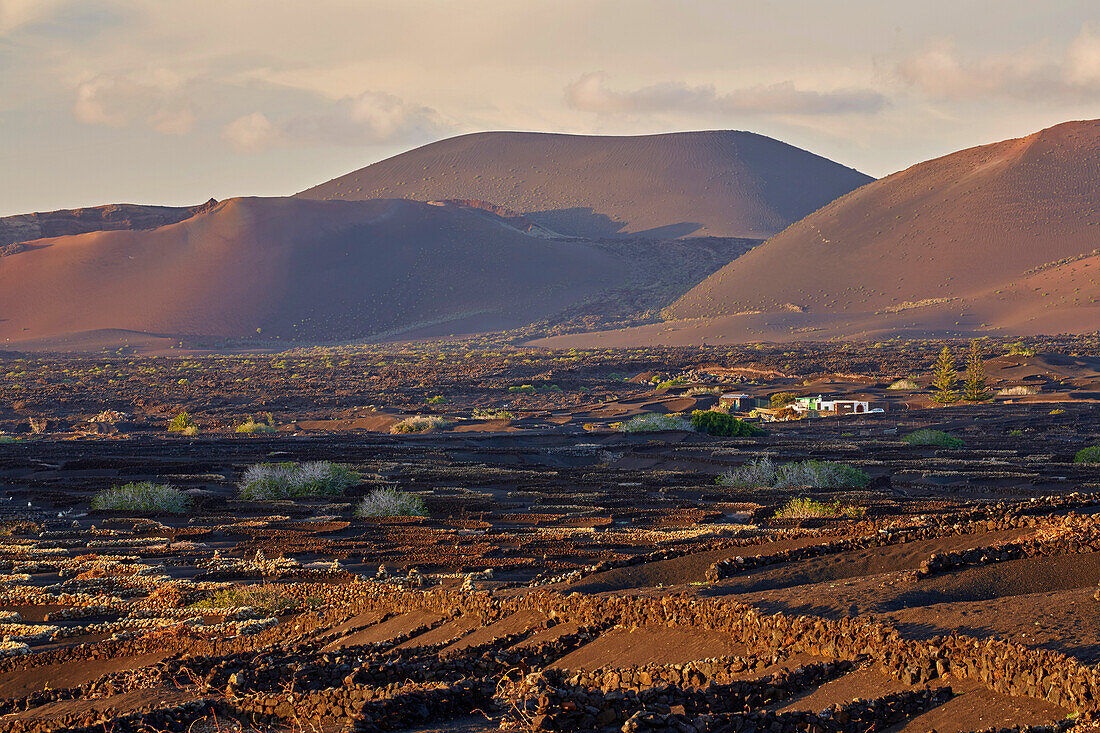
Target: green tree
(974,387)
(945,378)
(782,398)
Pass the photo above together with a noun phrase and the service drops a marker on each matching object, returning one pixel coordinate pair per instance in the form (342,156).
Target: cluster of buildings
(800,407)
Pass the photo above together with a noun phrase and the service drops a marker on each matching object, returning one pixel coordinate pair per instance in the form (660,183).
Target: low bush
(419,423)
(269,598)
(805,508)
(523,388)
(8,439)
(253,426)
(391,503)
(713,422)
(437,400)
(782,398)
(1088,455)
(905,383)
(493,414)
(674,382)
(142,497)
(933,437)
(700,391)
(182,423)
(652,423)
(1020,390)
(809,474)
(273,481)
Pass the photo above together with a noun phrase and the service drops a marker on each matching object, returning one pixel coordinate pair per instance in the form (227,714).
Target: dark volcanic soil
(549,538)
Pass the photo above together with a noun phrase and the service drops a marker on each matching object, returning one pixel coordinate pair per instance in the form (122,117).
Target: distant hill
(688,184)
(299,269)
(15,230)
(477,233)
(1002,238)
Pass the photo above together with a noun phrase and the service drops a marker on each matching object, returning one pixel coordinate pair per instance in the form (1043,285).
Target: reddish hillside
(998,236)
(293,268)
(15,230)
(721,183)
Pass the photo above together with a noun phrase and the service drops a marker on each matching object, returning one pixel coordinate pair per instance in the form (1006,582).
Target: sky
(174,102)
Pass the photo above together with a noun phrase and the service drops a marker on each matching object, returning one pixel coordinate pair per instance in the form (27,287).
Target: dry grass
(419,424)
(142,497)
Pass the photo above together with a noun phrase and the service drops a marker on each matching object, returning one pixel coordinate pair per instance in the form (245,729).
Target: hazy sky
(172,101)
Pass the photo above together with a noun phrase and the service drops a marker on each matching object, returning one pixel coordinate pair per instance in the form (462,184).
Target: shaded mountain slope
(1002,238)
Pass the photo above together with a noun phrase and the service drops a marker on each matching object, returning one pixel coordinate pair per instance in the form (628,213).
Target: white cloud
(590,93)
(16,14)
(370,118)
(1083,59)
(252,133)
(941,71)
(119,101)
(72,19)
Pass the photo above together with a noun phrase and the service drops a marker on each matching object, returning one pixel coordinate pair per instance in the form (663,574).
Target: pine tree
(975,387)
(945,378)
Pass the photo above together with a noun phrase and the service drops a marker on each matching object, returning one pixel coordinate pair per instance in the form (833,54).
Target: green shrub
(419,424)
(523,388)
(653,423)
(1016,433)
(493,414)
(675,382)
(904,383)
(180,423)
(712,422)
(782,398)
(437,400)
(933,437)
(810,474)
(391,503)
(1088,455)
(8,439)
(142,497)
(272,481)
(1019,390)
(810,509)
(1020,349)
(252,426)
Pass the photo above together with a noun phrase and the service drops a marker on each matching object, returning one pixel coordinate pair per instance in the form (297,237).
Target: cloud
(1083,59)
(940,71)
(120,101)
(17,14)
(252,133)
(590,93)
(64,18)
(367,119)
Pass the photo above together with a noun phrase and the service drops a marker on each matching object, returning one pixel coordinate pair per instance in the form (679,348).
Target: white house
(819,403)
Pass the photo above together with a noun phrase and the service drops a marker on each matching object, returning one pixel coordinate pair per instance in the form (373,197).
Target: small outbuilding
(737,401)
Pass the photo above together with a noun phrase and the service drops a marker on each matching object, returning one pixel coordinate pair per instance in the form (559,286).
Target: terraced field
(563,580)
